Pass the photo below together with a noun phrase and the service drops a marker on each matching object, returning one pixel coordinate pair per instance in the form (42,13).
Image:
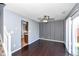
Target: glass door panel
(75,36)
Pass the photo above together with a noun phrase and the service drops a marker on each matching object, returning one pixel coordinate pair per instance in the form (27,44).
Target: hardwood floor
(42,48)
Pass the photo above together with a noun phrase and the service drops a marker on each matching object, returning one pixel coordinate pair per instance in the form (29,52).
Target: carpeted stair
(2,53)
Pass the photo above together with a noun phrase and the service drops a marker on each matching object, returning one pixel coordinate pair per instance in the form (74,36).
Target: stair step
(1,50)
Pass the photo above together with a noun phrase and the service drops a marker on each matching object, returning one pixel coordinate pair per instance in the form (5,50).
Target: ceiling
(59,11)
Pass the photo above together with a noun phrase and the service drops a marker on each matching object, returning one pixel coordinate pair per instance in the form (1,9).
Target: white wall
(12,22)
(52,30)
(33,31)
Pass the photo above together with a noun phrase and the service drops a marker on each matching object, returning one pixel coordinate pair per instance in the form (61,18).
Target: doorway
(24,33)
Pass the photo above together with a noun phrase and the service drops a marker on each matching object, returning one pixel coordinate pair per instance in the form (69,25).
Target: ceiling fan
(46,19)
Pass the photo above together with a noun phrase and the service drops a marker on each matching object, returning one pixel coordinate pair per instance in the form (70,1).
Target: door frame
(22,32)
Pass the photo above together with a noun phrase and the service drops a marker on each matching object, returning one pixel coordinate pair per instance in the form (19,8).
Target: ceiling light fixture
(45,19)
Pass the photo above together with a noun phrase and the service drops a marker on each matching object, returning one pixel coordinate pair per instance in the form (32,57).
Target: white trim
(51,40)
(16,50)
(21,47)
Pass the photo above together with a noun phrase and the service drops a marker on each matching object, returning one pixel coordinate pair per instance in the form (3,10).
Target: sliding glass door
(75,35)
(72,35)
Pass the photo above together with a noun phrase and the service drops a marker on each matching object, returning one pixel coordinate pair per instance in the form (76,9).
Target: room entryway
(24,33)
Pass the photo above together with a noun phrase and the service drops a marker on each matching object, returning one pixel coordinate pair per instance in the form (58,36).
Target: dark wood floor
(42,48)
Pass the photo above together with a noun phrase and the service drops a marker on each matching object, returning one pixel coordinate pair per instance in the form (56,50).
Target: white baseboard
(21,47)
(15,50)
(51,40)
(41,39)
